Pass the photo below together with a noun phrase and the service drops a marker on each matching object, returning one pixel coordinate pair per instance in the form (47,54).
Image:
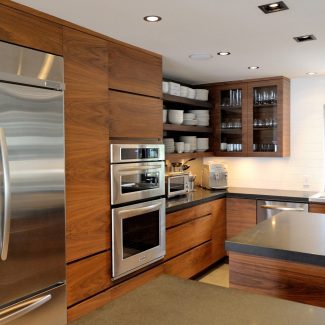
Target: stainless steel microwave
(177,184)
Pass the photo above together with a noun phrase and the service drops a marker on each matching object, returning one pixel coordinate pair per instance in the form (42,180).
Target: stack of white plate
(175,116)
(184,91)
(189,119)
(202,144)
(202,117)
(191,140)
(174,88)
(169,145)
(191,93)
(201,94)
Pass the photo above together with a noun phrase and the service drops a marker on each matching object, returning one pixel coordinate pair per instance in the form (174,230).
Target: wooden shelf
(264,129)
(231,109)
(265,105)
(233,130)
(199,104)
(187,128)
(187,155)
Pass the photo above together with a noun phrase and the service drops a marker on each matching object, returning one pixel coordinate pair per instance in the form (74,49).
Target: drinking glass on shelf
(272,96)
(255,123)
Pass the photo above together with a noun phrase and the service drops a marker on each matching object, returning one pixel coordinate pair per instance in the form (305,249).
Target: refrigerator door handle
(11,313)
(7,196)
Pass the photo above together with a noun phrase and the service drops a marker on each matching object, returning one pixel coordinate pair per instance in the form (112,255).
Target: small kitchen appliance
(214,175)
(177,183)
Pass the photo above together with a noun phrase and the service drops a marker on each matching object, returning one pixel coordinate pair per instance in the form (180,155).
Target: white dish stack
(175,116)
(169,145)
(202,144)
(191,140)
(202,94)
(176,89)
(189,119)
(203,116)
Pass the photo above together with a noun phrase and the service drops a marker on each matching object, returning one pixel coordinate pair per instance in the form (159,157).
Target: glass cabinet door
(232,120)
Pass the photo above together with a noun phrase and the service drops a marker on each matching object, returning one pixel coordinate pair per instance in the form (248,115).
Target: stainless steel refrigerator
(32,210)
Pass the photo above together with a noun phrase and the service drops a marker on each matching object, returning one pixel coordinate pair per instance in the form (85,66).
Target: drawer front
(316,208)
(88,277)
(188,235)
(191,262)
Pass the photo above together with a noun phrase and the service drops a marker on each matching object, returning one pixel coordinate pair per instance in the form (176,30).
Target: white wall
(306,162)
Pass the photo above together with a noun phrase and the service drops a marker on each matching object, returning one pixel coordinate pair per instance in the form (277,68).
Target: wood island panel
(316,207)
(134,71)
(88,277)
(241,215)
(27,30)
(134,116)
(87,145)
(278,278)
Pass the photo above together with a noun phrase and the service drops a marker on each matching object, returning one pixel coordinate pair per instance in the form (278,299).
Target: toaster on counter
(214,176)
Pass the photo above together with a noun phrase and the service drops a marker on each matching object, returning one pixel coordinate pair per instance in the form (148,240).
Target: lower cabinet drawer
(88,277)
(191,262)
(188,235)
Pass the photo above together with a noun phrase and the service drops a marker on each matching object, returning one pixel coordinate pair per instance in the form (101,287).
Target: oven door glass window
(140,233)
(139,153)
(138,182)
(177,184)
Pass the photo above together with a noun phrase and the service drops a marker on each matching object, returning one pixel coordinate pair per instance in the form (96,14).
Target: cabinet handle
(281,208)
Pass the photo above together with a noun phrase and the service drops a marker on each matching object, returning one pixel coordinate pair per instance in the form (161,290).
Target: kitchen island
(283,257)
(170,300)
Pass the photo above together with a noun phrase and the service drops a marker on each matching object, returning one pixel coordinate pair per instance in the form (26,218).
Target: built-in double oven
(138,206)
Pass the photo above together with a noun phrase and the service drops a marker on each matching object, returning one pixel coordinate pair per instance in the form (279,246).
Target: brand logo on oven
(142,258)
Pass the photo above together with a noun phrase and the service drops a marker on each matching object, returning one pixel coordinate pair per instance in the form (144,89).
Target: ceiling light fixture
(223,53)
(305,38)
(152,19)
(273,7)
(254,67)
(200,56)
(311,73)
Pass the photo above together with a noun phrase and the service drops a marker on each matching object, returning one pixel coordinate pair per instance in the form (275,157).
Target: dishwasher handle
(281,208)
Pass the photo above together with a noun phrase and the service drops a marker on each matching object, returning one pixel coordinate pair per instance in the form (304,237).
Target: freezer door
(32,219)
(48,308)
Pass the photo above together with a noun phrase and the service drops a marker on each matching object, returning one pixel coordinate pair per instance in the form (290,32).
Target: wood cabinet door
(30,31)
(134,70)
(87,144)
(269,118)
(240,214)
(316,207)
(134,116)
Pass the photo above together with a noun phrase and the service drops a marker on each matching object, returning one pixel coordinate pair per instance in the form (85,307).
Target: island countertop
(298,237)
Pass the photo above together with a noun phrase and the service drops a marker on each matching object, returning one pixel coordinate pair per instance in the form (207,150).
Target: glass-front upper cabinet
(268,118)
(231,120)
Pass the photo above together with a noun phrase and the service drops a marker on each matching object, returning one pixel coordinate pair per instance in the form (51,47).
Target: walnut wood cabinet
(240,215)
(316,207)
(27,30)
(252,118)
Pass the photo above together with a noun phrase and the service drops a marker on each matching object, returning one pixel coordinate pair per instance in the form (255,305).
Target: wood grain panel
(99,300)
(191,262)
(134,71)
(87,144)
(278,278)
(133,116)
(316,207)
(188,235)
(26,30)
(88,277)
(240,214)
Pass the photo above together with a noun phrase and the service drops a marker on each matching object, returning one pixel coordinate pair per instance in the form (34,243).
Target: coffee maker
(214,176)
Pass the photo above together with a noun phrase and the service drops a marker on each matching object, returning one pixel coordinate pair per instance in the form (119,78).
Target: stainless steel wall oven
(138,206)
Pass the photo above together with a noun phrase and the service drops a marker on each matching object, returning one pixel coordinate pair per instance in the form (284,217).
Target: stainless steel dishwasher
(267,209)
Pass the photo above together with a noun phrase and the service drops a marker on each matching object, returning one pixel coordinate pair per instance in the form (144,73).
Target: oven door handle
(281,208)
(135,212)
(131,169)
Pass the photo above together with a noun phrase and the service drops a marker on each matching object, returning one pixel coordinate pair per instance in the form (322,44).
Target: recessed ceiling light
(305,38)
(152,18)
(200,56)
(311,73)
(224,53)
(254,67)
(273,7)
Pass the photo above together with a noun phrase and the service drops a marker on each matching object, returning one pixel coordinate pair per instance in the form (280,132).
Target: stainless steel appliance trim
(118,170)
(281,208)
(138,211)
(116,152)
(13,312)
(7,196)
(186,185)
(122,267)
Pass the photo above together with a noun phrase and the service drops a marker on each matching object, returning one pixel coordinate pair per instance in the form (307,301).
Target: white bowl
(189,116)
(184,91)
(164,115)
(175,116)
(190,122)
(201,94)
(165,87)
(191,93)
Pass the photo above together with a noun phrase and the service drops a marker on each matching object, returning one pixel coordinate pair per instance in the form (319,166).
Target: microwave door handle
(131,169)
(281,208)
(7,196)
(135,212)
(25,307)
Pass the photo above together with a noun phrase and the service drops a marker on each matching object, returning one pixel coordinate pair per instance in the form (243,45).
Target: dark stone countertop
(201,195)
(289,235)
(170,300)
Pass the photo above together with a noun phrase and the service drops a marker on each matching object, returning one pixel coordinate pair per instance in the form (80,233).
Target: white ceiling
(191,26)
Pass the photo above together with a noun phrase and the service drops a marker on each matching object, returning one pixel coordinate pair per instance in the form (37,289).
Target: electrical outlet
(305,182)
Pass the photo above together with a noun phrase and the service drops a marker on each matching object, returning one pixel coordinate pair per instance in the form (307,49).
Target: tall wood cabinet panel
(134,70)
(240,215)
(30,31)
(134,116)
(87,144)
